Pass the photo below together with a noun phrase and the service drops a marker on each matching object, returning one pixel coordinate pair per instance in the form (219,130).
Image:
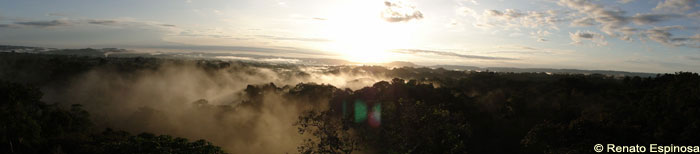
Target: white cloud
(661,34)
(466,2)
(448,53)
(613,21)
(283,38)
(665,37)
(695,15)
(586,21)
(537,22)
(624,1)
(540,35)
(398,11)
(627,32)
(675,6)
(645,19)
(465,11)
(609,19)
(594,37)
(512,19)
(43,24)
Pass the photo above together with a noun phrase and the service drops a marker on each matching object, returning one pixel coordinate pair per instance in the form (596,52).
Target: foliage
(423,110)
(117,142)
(31,126)
(487,112)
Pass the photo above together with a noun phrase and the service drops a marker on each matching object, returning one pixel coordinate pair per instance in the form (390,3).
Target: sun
(362,36)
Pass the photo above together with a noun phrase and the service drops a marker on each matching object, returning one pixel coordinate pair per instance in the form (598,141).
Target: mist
(191,100)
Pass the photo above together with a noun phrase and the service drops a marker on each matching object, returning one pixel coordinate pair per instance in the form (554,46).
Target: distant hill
(116,52)
(400,64)
(545,70)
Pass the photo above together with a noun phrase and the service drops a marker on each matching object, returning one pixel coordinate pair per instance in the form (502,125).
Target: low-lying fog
(161,100)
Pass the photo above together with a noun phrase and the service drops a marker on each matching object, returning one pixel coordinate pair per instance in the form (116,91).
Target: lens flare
(360,111)
(375,116)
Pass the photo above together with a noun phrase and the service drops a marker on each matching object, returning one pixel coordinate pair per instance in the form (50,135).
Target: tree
(31,126)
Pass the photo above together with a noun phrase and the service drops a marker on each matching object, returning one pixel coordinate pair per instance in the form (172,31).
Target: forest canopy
(32,126)
(244,107)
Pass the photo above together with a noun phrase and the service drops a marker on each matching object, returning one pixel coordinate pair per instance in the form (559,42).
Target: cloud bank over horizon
(600,34)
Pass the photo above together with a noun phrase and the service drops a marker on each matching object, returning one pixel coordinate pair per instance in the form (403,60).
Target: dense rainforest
(396,110)
(32,126)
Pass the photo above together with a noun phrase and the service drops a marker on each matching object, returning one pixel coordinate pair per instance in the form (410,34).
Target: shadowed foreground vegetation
(32,126)
(510,113)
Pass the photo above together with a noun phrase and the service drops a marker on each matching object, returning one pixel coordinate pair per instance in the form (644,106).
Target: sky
(659,36)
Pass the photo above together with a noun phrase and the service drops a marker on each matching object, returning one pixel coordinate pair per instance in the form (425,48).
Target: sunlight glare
(362,36)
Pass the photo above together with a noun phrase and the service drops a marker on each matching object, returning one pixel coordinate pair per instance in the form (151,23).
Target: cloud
(521,52)
(675,6)
(464,2)
(594,37)
(400,12)
(694,15)
(512,19)
(665,37)
(294,38)
(115,22)
(611,18)
(303,17)
(643,19)
(627,32)
(693,58)
(616,27)
(78,22)
(528,48)
(57,14)
(445,53)
(267,50)
(191,33)
(587,21)
(42,24)
(130,24)
(661,34)
(581,5)
(87,32)
(507,14)
(624,1)
(102,22)
(466,11)
(612,21)
(586,35)
(525,50)
(539,35)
